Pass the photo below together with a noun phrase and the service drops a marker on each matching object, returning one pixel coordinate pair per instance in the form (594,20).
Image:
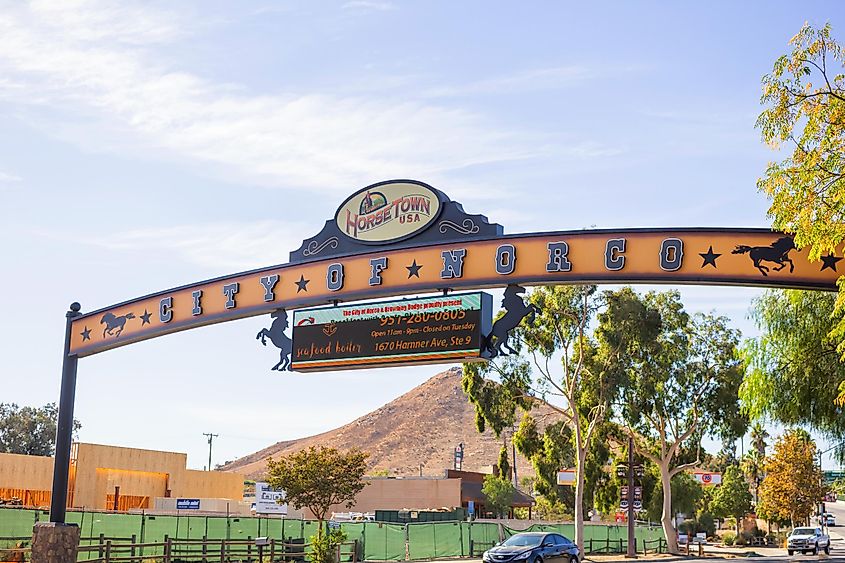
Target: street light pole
(632,540)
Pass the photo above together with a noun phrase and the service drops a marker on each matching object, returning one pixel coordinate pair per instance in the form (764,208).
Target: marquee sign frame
(404,237)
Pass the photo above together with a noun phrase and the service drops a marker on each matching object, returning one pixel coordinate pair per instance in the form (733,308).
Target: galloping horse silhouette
(276,334)
(113,322)
(516,310)
(777,252)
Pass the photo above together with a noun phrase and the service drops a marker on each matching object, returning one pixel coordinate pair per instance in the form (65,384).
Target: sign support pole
(64,428)
(632,540)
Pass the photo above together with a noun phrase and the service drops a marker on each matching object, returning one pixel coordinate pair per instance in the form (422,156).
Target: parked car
(808,540)
(533,547)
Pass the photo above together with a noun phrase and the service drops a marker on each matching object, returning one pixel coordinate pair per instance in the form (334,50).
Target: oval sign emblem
(388,212)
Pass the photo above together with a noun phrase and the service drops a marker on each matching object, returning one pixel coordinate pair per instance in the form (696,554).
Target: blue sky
(144,145)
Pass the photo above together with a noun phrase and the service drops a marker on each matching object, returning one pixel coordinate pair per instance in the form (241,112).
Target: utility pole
(211,438)
(632,538)
(513,446)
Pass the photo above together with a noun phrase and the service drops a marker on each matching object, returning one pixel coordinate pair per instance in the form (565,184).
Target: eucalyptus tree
(559,363)
(678,376)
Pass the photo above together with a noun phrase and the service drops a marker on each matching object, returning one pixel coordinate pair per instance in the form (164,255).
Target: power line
(211,438)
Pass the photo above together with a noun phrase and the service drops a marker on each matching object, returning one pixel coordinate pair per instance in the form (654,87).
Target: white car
(808,540)
(829,519)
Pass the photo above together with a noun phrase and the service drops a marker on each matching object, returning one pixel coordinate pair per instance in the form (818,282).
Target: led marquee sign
(448,328)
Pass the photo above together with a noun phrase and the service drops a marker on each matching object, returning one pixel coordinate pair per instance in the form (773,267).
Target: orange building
(114,478)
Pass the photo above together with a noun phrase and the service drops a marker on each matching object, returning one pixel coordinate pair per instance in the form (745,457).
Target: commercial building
(115,478)
(456,489)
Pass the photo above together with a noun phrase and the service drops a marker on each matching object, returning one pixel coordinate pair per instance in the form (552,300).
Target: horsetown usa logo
(388,211)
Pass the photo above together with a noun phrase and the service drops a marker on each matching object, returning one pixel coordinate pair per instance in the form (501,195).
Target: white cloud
(9,178)
(324,142)
(369,5)
(230,246)
(526,80)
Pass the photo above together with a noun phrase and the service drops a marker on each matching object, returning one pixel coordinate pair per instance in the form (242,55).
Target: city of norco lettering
(670,259)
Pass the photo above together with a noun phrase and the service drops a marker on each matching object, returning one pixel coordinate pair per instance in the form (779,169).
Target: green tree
(503,465)
(752,465)
(679,377)
(29,430)
(318,478)
(565,366)
(804,97)
(498,493)
(794,368)
(792,485)
(759,435)
(732,497)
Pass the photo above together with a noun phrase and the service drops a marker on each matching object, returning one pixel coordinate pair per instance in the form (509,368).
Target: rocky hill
(422,427)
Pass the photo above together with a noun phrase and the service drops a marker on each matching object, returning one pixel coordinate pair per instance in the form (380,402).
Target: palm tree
(758,438)
(752,466)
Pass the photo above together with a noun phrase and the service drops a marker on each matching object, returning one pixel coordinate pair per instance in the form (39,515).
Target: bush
(729,538)
(324,546)
(706,523)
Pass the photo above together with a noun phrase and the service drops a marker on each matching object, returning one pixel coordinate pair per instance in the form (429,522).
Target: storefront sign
(267,499)
(446,328)
(187,504)
(708,478)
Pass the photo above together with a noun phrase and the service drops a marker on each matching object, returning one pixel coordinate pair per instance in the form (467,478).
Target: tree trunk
(579,497)
(666,516)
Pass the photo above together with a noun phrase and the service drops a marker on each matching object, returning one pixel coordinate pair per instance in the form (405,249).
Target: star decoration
(830,261)
(414,269)
(145,318)
(302,284)
(709,257)
(86,334)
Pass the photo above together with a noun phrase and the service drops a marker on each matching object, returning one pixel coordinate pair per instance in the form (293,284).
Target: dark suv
(533,547)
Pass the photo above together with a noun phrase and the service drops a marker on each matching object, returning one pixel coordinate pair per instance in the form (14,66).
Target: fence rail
(208,551)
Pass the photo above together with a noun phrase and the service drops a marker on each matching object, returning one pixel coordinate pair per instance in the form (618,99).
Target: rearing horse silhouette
(516,310)
(113,322)
(777,252)
(276,334)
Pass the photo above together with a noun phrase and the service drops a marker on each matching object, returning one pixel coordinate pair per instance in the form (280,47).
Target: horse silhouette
(515,311)
(113,322)
(777,252)
(276,334)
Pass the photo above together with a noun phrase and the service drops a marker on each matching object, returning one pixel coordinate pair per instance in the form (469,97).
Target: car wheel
(790,552)
(538,559)
(827,549)
(573,559)
(815,550)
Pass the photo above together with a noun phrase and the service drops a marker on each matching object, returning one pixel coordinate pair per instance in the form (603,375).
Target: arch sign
(404,237)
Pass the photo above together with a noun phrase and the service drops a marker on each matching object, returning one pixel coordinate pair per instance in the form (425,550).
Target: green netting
(377,541)
(384,542)
(309,528)
(433,540)
(478,536)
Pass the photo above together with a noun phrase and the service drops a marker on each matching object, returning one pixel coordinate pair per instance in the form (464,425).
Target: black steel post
(632,540)
(64,428)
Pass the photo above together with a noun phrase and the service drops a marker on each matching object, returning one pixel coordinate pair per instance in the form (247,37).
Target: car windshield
(523,540)
(803,531)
